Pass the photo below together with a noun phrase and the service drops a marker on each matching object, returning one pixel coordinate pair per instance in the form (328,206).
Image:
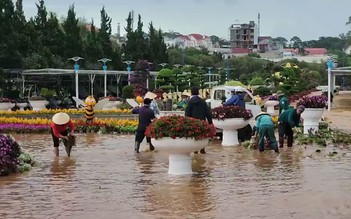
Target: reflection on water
(105,179)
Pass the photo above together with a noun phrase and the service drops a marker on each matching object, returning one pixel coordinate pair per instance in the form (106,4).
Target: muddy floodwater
(105,179)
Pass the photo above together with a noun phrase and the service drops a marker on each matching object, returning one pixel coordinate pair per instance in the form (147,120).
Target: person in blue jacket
(237,99)
(265,127)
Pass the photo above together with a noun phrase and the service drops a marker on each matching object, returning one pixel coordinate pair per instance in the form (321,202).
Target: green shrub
(127,92)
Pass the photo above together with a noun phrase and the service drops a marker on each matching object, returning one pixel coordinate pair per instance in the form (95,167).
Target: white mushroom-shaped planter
(179,136)
(270,104)
(230,119)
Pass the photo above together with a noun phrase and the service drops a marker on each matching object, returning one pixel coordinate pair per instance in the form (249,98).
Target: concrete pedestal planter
(21,105)
(270,104)
(179,150)
(311,117)
(230,128)
(38,104)
(5,105)
(110,105)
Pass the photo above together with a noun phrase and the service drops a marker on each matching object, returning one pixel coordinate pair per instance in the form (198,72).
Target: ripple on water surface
(105,179)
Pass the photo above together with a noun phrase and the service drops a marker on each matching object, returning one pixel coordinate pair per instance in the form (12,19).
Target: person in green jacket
(283,101)
(289,119)
(265,127)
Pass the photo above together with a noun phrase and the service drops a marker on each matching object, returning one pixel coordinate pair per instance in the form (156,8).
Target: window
(219,94)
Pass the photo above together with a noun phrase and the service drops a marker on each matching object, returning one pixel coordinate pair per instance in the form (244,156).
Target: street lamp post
(219,73)
(209,76)
(129,68)
(76,69)
(330,65)
(148,69)
(104,67)
(227,71)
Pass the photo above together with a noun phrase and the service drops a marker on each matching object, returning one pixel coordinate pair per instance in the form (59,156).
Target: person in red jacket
(59,129)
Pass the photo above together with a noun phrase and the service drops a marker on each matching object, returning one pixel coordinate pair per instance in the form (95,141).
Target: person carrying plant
(197,108)
(283,101)
(146,115)
(62,127)
(265,127)
(289,119)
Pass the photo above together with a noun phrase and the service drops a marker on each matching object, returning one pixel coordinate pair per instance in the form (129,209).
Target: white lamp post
(76,69)
(129,68)
(104,67)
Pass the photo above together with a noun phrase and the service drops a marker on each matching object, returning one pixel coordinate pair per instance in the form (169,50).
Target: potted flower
(21,103)
(230,119)
(314,109)
(271,102)
(179,136)
(5,103)
(38,102)
(112,103)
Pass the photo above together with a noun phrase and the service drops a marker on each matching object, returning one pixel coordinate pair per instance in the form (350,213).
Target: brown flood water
(105,179)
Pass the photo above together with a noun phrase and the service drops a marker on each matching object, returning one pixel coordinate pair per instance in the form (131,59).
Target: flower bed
(70,111)
(42,125)
(226,112)
(12,158)
(175,126)
(313,101)
(5,100)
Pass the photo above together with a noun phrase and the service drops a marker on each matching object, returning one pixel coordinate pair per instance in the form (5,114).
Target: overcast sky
(307,19)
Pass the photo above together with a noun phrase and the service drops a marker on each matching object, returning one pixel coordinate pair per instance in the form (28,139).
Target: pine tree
(73,41)
(9,56)
(129,47)
(94,48)
(105,33)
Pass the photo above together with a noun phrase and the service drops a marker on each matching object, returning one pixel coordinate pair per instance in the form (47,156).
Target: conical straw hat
(60,118)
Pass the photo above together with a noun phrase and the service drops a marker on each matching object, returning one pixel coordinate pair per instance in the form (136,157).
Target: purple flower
(313,101)
(226,112)
(23,128)
(9,153)
(273,97)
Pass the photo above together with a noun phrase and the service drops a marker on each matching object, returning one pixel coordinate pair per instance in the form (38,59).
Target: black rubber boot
(202,151)
(137,146)
(151,147)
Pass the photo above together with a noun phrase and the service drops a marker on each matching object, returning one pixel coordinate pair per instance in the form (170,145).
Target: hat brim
(60,118)
(260,114)
(150,95)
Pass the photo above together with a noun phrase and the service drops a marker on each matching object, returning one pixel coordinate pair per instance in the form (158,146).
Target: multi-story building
(243,37)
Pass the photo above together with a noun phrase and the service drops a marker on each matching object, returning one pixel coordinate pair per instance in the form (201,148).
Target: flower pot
(311,117)
(179,150)
(38,104)
(21,105)
(5,106)
(270,104)
(111,105)
(230,129)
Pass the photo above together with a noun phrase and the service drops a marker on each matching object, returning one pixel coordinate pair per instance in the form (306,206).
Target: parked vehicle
(223,93)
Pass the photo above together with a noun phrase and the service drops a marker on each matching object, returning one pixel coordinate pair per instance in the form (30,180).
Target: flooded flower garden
(104,178)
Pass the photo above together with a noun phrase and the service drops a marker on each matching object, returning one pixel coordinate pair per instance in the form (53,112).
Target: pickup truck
(218,93)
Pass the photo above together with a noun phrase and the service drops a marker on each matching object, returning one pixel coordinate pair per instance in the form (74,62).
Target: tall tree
(73,42)
(162,53)
(105,33)
(9,56)
(94,49)
(130,45)
(281,40)
(141,45)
